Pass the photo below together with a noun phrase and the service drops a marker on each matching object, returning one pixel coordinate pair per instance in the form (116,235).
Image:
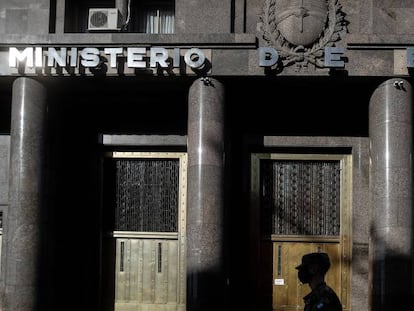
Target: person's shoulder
(324,289)
(327,299)
(327,289)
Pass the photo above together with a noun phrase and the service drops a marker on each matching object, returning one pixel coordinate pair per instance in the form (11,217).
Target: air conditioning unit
(104,19)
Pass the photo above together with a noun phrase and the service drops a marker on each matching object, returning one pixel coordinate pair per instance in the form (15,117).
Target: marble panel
(230,62)
(393,3)
(395,182)
(211,16)
(391,145)
(207,143)
(208,242)
(17,21)
(144,140)
(359,280)
(375,62)
(392,212)
(384,21)
(404,20)
(38,21)
(20,298)
(392,241)
(4,169)
(239,16)
(206,196)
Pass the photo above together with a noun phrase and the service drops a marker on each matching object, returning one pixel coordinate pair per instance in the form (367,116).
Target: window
(140,16)
(153,16)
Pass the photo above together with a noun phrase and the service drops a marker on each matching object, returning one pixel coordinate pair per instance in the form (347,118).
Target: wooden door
(147,219)
(301,203)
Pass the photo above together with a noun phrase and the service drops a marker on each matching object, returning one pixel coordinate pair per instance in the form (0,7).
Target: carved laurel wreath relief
(301,29)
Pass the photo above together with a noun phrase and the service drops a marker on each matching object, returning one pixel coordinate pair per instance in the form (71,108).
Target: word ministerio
(90,57)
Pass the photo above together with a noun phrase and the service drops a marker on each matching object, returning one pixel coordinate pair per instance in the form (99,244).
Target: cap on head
(321,259)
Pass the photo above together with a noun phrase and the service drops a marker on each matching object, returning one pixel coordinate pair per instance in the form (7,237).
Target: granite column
(391,146)
(206,280)
(22,228)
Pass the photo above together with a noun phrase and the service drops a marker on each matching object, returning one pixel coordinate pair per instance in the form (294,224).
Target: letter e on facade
(334,57)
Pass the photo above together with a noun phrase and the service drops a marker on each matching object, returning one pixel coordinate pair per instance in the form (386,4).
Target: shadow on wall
(207,290)
(392,278)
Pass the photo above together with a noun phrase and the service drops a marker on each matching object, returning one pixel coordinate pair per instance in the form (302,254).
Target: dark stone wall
(24,17)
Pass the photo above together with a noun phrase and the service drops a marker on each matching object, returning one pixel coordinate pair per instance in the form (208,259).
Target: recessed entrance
(301,203)
(145,220)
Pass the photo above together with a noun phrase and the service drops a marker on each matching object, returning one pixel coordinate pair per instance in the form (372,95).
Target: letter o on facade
(195,58)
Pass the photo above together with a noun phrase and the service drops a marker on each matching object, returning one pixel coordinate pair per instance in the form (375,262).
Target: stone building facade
(184,155)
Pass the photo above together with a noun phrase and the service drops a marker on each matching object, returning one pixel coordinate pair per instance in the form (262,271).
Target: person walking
(312,271)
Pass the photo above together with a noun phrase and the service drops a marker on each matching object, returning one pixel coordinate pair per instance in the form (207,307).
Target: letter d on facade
(268,56)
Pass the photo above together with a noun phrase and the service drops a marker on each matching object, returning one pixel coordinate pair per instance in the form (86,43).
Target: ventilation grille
(104,19)
(99,19)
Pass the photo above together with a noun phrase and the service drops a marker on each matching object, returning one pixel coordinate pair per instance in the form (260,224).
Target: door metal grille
(147,195)
(300,197)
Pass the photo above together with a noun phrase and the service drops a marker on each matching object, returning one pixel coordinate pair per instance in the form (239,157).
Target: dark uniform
(322,298)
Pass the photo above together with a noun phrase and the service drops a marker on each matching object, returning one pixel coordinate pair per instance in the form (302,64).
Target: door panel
(288,292)
(146,274)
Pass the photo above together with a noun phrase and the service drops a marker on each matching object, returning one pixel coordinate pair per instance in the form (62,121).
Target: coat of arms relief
(301,29)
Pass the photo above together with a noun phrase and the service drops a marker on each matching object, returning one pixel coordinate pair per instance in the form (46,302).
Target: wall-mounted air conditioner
(104,19)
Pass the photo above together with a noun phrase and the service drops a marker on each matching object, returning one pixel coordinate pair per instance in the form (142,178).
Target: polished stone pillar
(205,238)
(391,147)
(23,230)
